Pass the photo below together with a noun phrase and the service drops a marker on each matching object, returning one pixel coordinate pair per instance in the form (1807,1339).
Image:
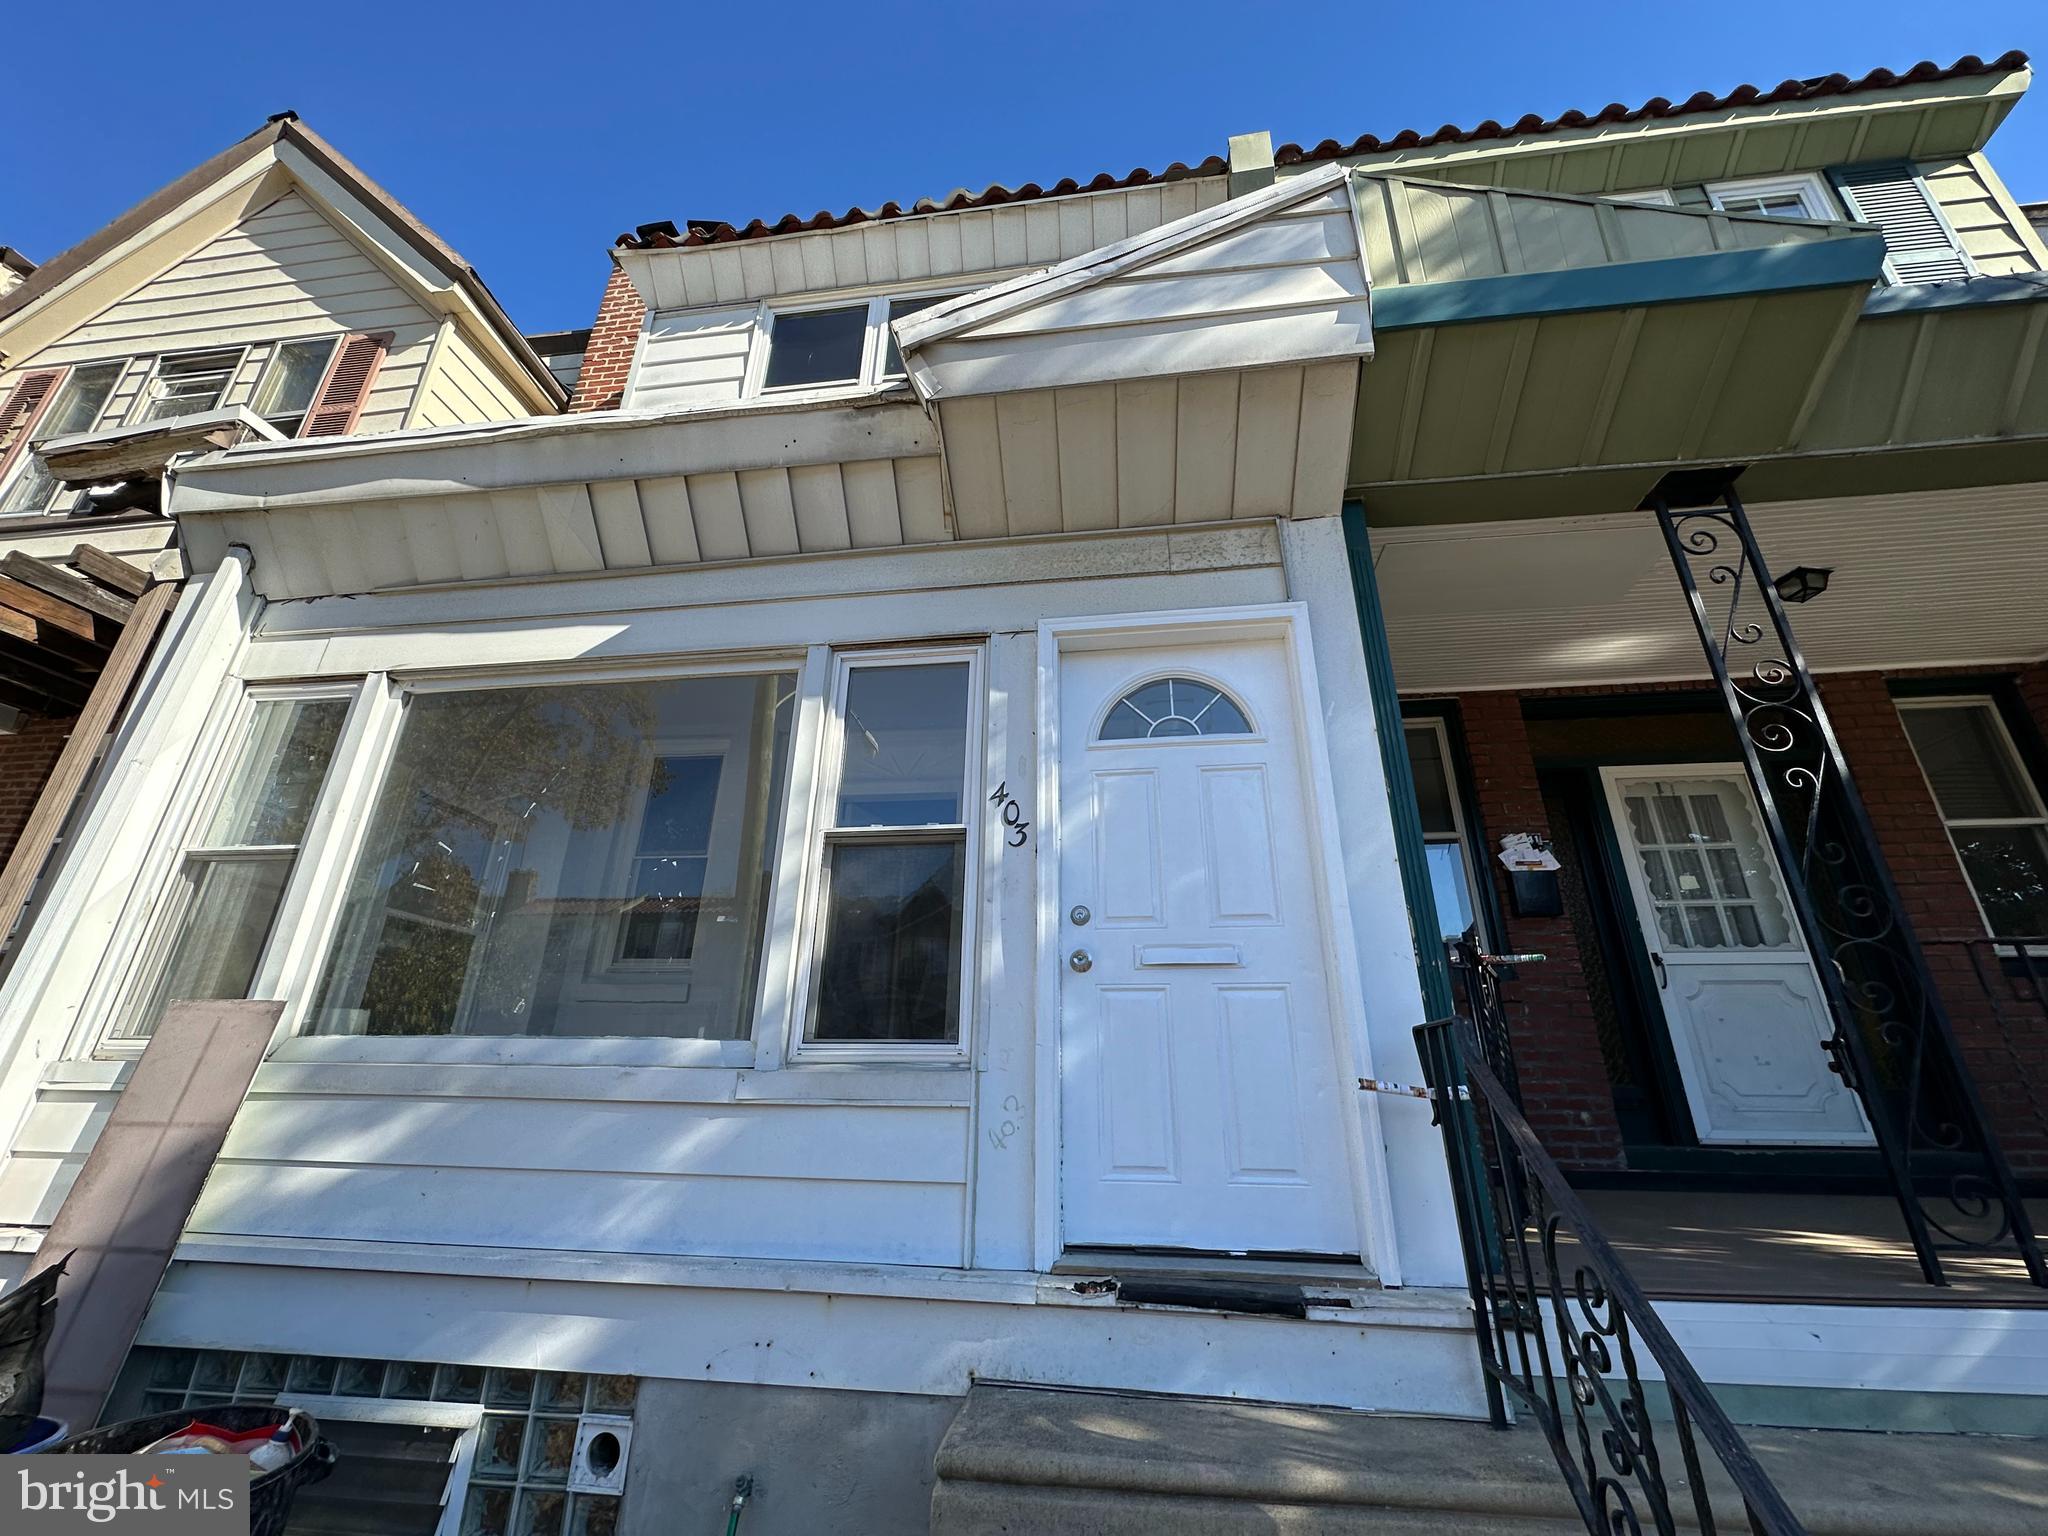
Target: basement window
(190,384)
(579,859)
(1993,810)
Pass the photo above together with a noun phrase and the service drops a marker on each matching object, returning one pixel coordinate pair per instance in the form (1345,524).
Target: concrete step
(1021,1461)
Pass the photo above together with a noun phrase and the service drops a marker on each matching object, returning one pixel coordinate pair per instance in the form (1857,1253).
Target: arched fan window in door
(1174,706)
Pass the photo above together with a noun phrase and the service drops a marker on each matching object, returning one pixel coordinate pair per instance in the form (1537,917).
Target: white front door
(1746,1013)
(1200,1097)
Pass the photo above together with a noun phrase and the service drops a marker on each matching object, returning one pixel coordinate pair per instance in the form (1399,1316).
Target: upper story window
(290,379)
(1991,806)
(190,383)
(80,398)
(838,344)
(1776,197)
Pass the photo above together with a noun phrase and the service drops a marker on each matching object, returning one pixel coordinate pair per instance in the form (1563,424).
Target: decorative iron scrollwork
(1892,1041)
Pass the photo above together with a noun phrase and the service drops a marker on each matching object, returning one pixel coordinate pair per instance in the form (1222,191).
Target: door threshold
(1286,1269)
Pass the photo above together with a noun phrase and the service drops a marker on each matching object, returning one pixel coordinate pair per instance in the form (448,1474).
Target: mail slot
(1189,954)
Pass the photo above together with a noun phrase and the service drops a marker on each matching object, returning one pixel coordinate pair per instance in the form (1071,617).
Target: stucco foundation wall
(821,1460)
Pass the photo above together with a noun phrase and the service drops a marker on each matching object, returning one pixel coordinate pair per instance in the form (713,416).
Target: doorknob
(1080,960)
(1658,961)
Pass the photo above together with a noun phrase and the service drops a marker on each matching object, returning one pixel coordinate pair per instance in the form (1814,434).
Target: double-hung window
(1453,873)
(80,399)
(890,928)
(838,344)
(290,379)
(190,383)
(1992,808)
(210,932)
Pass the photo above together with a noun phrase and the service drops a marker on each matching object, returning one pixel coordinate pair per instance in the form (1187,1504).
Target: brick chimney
(613,336)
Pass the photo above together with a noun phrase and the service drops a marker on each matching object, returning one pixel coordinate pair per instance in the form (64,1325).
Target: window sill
(517,1050)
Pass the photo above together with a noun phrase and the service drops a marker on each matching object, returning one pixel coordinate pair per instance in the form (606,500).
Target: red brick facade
(613,336)
(26,758)
(1557,1049)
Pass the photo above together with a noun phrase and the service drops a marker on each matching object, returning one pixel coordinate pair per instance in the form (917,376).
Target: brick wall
(613,336)
(26,758)
(1557,1049)
(1556,1036)
(2004,1036)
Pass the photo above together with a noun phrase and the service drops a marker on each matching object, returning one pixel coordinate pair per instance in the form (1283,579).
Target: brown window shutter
(21,409)
(339,400)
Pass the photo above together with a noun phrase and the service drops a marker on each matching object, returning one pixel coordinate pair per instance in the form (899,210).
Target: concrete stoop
(1021,1461)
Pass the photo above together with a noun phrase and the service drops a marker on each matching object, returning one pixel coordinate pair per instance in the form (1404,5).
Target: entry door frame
(1365,1151)
(1633,894)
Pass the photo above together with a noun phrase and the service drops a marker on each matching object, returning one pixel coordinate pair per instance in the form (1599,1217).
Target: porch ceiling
(1946,578)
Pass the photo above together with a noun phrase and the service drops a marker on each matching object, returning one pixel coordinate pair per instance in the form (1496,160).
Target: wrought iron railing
(1561,1323)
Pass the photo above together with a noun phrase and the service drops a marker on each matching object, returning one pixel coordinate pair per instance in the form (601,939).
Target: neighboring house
(272,292)
(904,842)
(563,352)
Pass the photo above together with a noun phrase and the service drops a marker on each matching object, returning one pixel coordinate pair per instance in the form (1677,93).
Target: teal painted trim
(1963,293)
(1837,262)
(1430,964)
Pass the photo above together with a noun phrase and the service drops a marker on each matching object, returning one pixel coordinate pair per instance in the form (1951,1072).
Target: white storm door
(1200,1099)
(1747,1016)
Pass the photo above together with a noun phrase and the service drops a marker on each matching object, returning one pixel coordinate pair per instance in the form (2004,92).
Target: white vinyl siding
(941,246)
(1986,223)
(459,388)
(285,273)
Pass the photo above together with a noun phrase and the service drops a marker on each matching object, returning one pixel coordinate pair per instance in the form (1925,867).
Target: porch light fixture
(1803,583)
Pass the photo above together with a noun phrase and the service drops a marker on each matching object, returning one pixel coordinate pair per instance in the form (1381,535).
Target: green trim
(1962,293)
(1838,261)
(1430,964)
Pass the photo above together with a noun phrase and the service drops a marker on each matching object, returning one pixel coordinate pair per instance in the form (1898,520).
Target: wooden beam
(95,719)
(39,696)
(30,662)
(86,653)
(45,608)
(48,576)
(111,570)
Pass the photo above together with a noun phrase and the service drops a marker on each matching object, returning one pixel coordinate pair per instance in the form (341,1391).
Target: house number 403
(1012,814)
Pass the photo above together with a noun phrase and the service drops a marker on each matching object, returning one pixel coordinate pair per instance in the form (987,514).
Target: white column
(1425,1217)
(155,754)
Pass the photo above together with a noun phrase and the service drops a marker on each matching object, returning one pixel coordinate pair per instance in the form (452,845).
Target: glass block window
(518,1483)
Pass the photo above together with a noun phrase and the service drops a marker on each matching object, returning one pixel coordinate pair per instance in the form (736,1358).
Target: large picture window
(585,859)
(893,890)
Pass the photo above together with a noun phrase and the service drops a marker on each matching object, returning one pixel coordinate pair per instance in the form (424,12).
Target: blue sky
(530,136)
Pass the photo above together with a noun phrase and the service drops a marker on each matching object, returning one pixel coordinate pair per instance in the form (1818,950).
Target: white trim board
(818,1338)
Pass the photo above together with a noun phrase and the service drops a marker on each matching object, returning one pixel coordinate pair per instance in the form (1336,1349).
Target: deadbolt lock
(1079,917)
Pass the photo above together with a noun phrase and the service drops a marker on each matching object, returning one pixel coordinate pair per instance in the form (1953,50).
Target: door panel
(1746,1013)
(1201,1106)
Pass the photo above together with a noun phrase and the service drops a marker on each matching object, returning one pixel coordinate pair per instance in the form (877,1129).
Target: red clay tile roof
(1700,101)
(665,235)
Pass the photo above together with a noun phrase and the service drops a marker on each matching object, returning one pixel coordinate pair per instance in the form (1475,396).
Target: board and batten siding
(1983,215)
(286,272)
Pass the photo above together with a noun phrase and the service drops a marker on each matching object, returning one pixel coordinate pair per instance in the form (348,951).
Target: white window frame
(145,397)
(874,348)
(140,944)
(1660,196)
(313,904)
(61,500)
(1810,187)
(821,834)
(2016,762)
(1461,834)
(270,366)
(465,1418)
